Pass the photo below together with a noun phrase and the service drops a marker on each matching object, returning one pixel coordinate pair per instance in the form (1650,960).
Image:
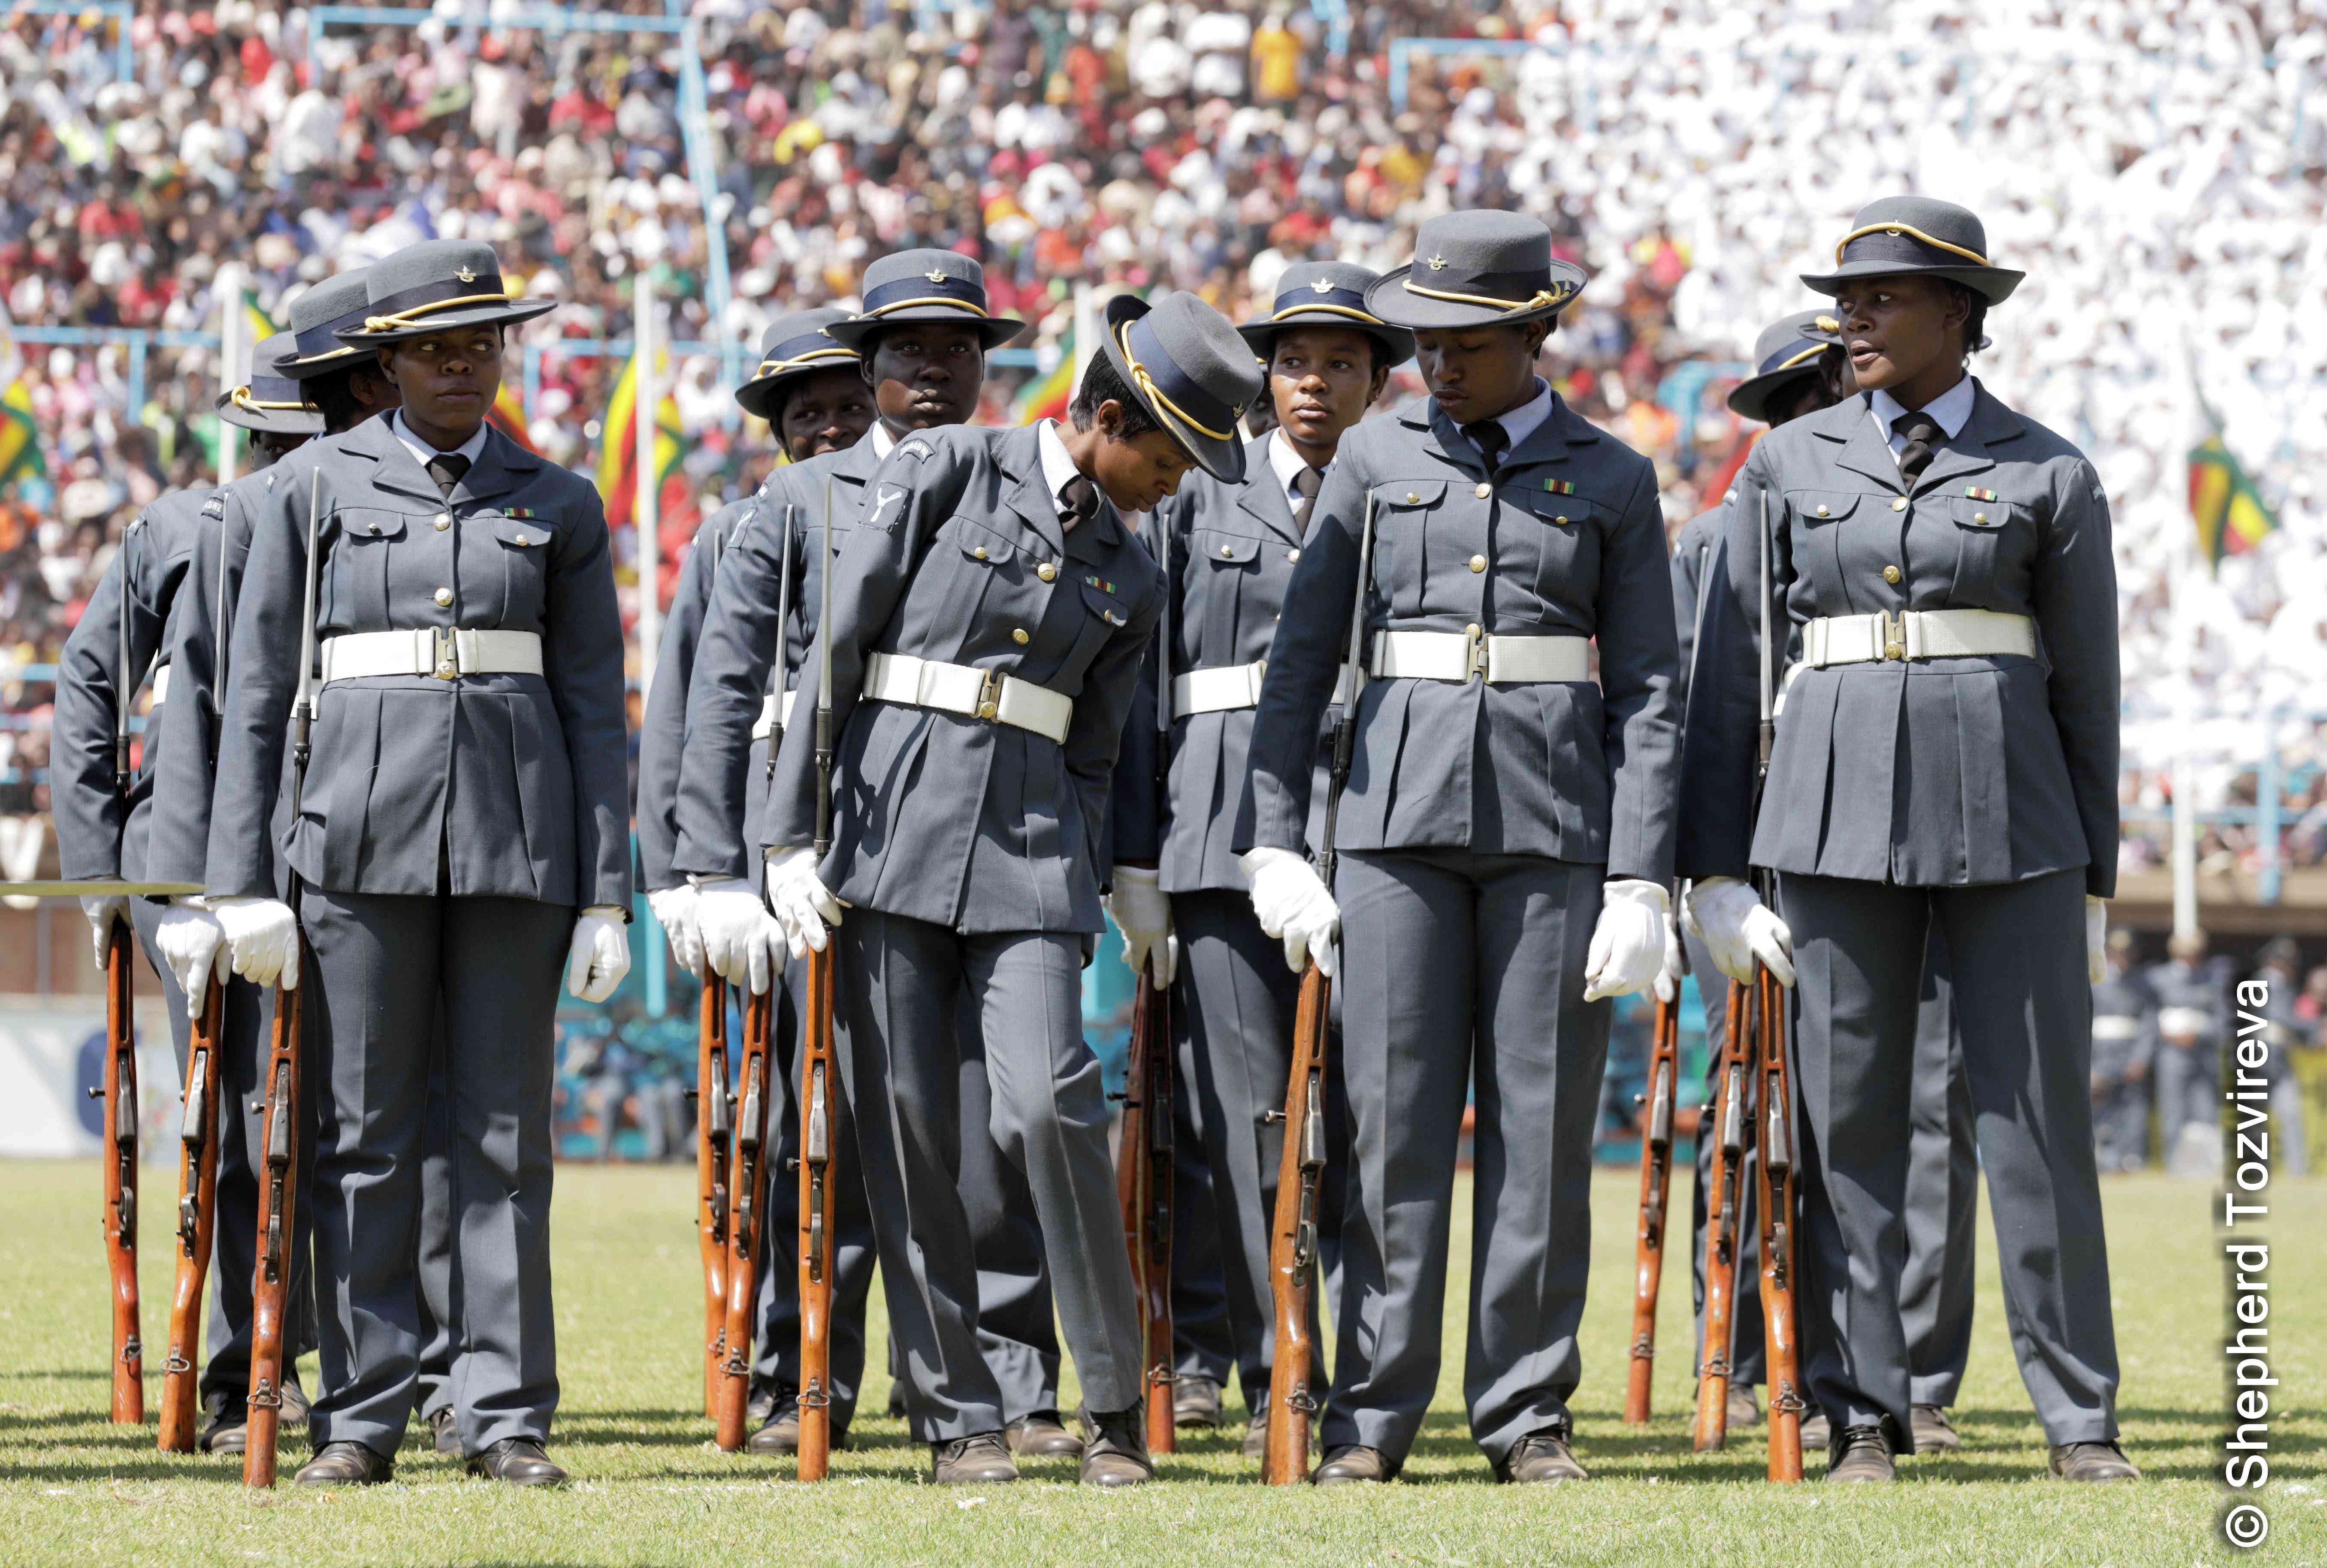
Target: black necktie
(1307,484)
(446,469)
(1492,440)
(1921,433)
(1077,503)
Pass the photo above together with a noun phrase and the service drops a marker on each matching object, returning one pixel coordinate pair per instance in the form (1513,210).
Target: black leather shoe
(778,1434)
(762,1404)
(1115,1447)
(346,1464)
(224,1436)
(519,1461)
(1861,1454)
(1195,1402)
(295,1406)
(1817,1433)
(444,1432)
(1353,1464)
(1933,1431)
(1542,1457)
(1744,1410)
(978,1459)
(2092,1462)
(1043,1435)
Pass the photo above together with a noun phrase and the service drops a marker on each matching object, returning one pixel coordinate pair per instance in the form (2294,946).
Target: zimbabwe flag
(618,448)
(2230,512)
(20,438)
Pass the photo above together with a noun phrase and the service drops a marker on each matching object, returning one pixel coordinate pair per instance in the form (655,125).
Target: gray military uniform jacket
(980,826)
(1229,553)
(99,833)
(662,733)
(1931,772)
(2124,1024)
(1569,771)
(1694,547)
(504,785)
(721,786)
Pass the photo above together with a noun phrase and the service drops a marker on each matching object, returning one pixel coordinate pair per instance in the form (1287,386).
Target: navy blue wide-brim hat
(439,285)
(794,346)
(1189,368)
(1917,234)
(1477,269)
(317,318)
(271,401)
(924,285)
(1786,355)
(1326,293)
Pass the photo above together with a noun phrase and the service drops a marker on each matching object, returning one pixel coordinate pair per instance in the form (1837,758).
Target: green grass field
(651,1490)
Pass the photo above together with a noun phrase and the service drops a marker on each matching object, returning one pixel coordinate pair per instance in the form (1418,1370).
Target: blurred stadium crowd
(2157,170)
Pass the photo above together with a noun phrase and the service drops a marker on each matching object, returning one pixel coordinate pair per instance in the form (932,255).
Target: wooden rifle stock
(1143,1188)
(1656,1188)
(1292,1236)
(278,1194)
(819,1124)
(1732,1127)
(119,1093)
(197,1137)
(714,1125)
(748,1171)
(1776,1195)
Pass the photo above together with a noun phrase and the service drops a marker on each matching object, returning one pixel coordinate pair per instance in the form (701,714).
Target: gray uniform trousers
(1203,1337)
(2189,1088)
(2024,1029)
(1462,967)
(901,984)
(435,1255)
(378,964)
(1237,1001)
(234,1238)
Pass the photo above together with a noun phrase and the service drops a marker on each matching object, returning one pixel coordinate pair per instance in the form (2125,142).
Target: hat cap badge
(934,276)
(1435,264)
(465,275)
(1827,325)
(1323,285)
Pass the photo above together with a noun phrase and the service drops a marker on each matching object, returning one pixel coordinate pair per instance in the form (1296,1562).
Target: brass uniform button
(444,520)
(1899,505)
(523,541)
(979,552)
(444,597)
(1294,556)
(1227,552)
(1478,563)
(1020,636)
(1979,518)
(1559,519)
(1411,497)
(1047,571)
(1483,491)
(1889,573)
(1822,511)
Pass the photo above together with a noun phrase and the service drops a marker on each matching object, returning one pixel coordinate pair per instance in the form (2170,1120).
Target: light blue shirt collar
(1058,467)
(422,453)
(1523,421)
(1951,410)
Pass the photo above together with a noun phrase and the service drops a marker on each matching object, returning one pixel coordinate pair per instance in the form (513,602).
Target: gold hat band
(1812,352)
(406,318)
(777,367)
(1907,228)
(931,300)
(1355,316)
(1542,298)
(1146,384)
(242,398)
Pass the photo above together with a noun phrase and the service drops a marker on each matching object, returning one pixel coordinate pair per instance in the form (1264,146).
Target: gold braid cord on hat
(931,300)
(1354,314)
(1542,298)
(777,367)
(406,318)
(1146,384)
(242,398)
(1907,229)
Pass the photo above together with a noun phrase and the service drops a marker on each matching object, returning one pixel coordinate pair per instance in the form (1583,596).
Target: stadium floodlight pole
(232,349)
(646,506)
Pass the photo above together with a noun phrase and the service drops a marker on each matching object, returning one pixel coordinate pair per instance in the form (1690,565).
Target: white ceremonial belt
(2185,1023)
(973,692)
(768,722)
(2116,1026)
(1475,654)
(445,652)
(1222,686)
(1831,640)
(159,684)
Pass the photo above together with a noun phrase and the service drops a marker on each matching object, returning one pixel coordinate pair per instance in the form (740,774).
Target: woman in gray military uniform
(1946,755)
(1505,837)
(461,838)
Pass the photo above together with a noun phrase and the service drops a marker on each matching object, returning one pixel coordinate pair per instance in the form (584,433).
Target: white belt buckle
(990,695)
(448,653)
(1475,654)
(1892,631)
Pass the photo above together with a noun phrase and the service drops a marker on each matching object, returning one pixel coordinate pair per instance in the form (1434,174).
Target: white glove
(674,910)
(1292,902)
(1628,940)
(102,912)
(194,944)
(1738,928)
(1668,987)
(738,935)
(2095,938)
(263,936)
(1144,911)
(600,954)
(804,906)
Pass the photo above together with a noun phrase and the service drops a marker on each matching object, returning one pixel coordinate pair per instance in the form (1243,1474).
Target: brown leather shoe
(1043,1435)
(1816,1432)
(346,1464)
(1353,1464)
(1195,1402)
(1933,1431)
(444,1432)
(976,1460)
(1256,1435)
(1862,1455)
(778,1434)
(1744,1410)
(224,1436)
(1542,1457)
(519,1461)
(1115,1447)
(2092,1462)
